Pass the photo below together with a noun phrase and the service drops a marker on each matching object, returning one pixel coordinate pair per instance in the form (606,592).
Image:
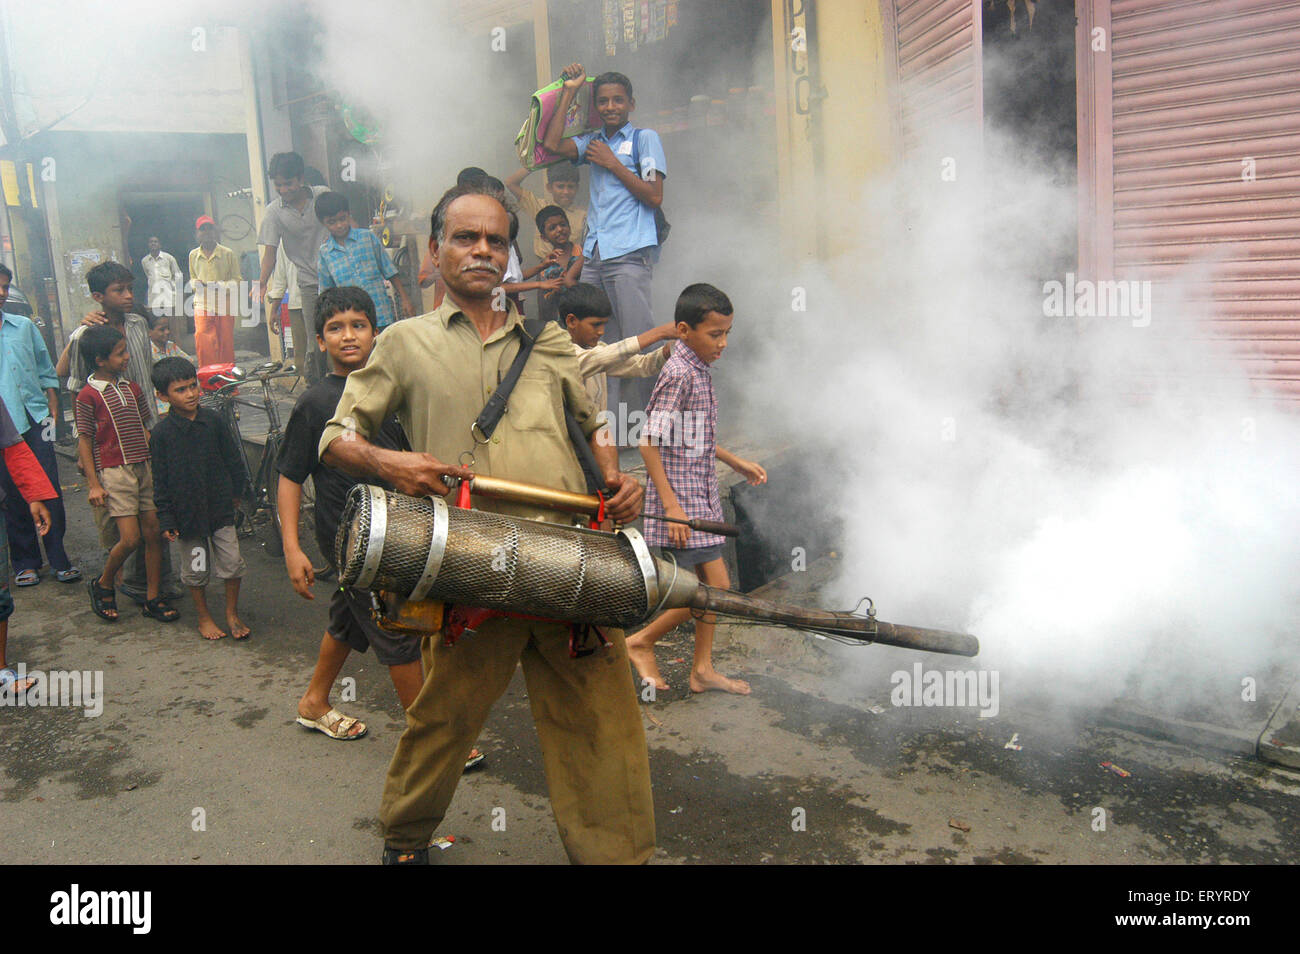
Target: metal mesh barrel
(388,541)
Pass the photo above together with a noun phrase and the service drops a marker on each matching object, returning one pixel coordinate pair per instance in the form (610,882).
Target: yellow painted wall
(857,127)
(821,214)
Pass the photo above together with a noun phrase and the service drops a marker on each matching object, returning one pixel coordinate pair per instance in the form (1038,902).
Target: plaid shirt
(359,260)
(683,421)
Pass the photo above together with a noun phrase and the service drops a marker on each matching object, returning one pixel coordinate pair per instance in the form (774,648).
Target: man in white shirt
(283,287)
(164,277)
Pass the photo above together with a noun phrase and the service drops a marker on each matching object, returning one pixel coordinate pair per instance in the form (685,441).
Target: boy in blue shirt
(627,187)
(352,256)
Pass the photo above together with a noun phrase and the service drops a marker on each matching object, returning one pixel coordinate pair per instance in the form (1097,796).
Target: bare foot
(643,660)
(237,629)
(703,681)
(209,629)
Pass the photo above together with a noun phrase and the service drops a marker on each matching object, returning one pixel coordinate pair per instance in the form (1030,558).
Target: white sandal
(342,725)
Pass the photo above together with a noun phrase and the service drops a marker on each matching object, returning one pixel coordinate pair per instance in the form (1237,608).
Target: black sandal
(405,856)
(159,610)
(101,600)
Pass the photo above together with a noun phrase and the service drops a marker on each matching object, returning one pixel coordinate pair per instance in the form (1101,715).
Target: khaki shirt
(621,359)
(435,373)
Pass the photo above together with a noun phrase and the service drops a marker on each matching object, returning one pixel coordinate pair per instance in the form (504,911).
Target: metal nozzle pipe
(868,629)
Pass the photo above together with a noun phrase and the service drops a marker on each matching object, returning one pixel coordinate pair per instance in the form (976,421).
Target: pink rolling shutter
(936,54)
(1199,88)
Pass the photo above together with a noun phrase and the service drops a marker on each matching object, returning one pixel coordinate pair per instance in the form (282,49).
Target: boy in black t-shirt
(346,328)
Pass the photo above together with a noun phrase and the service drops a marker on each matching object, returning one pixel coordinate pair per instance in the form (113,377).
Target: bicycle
(259,516)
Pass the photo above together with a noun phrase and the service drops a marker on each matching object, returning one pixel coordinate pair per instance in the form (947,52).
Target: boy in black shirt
(346,328)
(197,474)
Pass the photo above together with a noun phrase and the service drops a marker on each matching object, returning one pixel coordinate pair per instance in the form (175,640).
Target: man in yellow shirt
(435,372)
(214,271)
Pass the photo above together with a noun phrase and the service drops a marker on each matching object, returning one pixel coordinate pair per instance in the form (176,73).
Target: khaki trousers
(588,722)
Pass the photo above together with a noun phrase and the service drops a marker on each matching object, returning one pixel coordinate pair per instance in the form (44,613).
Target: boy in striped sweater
(113,446)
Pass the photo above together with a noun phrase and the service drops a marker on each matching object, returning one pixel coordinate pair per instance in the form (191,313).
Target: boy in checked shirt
(679,445)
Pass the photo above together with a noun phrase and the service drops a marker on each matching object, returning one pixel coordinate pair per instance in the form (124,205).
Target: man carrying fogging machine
(518,583)
(436,372)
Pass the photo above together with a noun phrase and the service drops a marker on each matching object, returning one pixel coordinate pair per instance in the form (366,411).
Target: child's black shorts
(350,623)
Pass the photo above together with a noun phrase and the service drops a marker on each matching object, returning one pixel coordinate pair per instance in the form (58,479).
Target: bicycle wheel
(265,487)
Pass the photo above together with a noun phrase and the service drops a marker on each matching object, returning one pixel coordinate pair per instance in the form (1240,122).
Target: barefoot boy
(679,446)
(197,476)
(346,332)
(113,447)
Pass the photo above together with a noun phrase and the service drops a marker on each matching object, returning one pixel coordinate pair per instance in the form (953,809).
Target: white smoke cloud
(1092,499)
(1097,501)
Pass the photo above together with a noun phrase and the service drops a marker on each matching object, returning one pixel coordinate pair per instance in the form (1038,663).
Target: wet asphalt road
(196,759)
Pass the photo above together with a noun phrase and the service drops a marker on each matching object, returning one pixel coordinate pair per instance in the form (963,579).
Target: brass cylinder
(516,491)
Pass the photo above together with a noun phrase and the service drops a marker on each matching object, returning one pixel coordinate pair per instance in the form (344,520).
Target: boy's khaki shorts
(129,488)
(218,554)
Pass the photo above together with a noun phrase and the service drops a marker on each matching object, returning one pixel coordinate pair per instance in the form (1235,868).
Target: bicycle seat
(268,368)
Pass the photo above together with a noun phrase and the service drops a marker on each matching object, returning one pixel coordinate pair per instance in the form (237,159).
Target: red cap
(203,220)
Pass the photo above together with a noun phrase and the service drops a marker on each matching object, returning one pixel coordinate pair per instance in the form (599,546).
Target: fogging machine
(417,556)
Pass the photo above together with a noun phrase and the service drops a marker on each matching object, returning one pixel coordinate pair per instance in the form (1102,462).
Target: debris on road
(1014,743)
(958,824)
(1112,767)
(443,842)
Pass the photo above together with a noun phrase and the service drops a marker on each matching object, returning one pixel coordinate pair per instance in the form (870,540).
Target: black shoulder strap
(490,416)
(586,457)
(530,330)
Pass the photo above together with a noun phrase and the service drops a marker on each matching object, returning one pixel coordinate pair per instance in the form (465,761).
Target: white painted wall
(123,67)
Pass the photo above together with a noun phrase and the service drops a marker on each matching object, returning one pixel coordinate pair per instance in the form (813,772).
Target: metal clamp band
(667,589)
(437,549)
(375,540)
(643,559)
